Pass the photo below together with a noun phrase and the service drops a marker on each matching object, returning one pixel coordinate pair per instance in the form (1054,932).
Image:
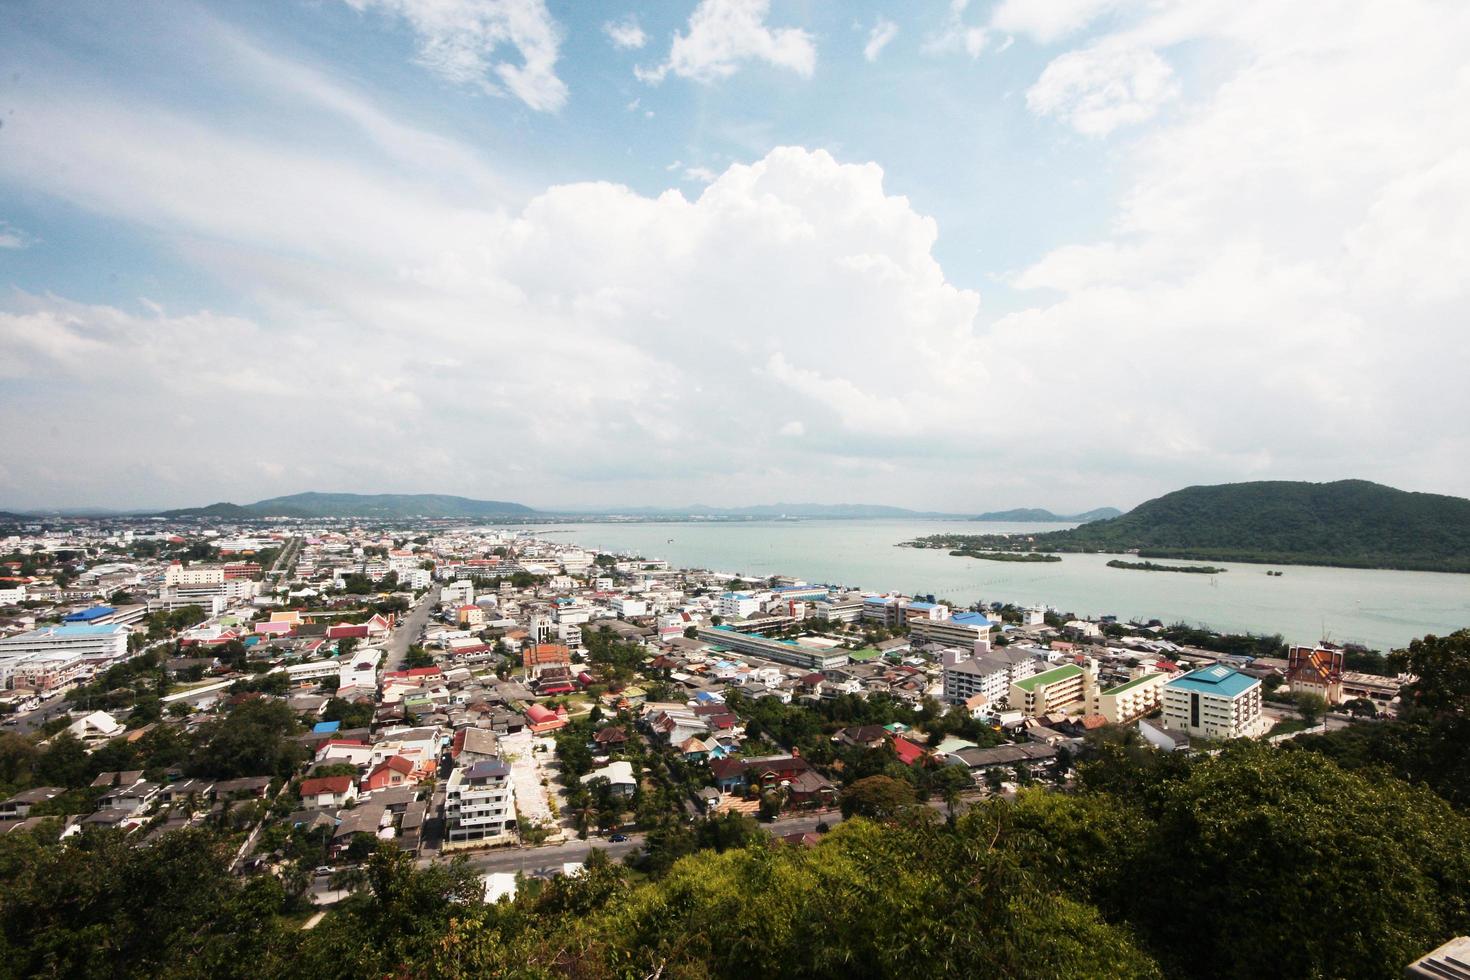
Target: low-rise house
(328,791)
(394,771)
(18,807)
(619,776)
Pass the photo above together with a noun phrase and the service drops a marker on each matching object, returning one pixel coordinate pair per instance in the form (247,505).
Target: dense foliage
(1350,523)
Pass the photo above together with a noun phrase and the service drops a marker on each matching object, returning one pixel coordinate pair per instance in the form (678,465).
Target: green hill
(387,506)
(1040,515)
(1351,523)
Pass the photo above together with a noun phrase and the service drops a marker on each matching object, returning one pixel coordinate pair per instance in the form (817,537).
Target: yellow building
(1050,691)
(1131,699)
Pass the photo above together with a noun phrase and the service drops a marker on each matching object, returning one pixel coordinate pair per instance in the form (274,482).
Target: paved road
(409,629)
(549,858)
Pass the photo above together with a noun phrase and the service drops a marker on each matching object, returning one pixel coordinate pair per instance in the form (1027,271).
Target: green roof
(1130,684)
(864,655)
(1050,677)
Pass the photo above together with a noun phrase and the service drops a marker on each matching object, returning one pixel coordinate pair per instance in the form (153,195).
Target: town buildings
(1214,702)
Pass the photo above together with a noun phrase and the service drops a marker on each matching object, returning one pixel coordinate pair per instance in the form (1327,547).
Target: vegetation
(1350,523)
(1021,556)
(1148,566)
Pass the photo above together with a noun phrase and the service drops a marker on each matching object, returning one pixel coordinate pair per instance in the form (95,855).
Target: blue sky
(938,254)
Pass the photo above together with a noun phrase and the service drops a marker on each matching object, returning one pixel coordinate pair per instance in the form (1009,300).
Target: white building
(627,607)
(1214,702)
(99,646)
(991,675)
(177,574)
(738,605)
(479,805)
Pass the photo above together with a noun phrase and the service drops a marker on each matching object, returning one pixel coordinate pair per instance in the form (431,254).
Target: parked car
(323,871)
(618,838)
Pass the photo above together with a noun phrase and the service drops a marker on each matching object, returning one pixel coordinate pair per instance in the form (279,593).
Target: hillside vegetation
(381,506)
(1350,523)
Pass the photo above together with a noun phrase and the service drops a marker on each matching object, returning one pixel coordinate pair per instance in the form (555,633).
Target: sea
(1381,609)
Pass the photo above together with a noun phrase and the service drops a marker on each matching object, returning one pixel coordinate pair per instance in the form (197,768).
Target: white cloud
(879,37)
(458,40)
(723,34)
(12,237)
(1281,285)
(625,34)
(702,175)
(1095,90)
(957,35)
(1047,21)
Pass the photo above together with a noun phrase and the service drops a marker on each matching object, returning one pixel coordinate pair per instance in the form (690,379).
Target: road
(549,858)
(409,630)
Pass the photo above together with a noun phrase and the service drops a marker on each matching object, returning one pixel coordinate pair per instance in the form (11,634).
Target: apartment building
(1214,702)
(1130,700)
(479,805)
(1050,690)
(180,574)
(781,651)
(738,605)
(991,675)
(961,629)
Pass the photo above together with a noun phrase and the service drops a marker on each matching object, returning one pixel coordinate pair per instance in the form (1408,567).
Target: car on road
(618,838)
(323,871)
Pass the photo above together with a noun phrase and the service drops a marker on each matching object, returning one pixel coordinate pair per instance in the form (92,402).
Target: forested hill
(1351,523)
(379,506)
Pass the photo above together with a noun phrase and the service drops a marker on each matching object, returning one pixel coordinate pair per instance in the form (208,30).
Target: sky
(946,255)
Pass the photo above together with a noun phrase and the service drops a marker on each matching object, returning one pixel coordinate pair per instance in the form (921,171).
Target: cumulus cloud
(1097,89)
(724,34)
(1047,21)
(625,34)
(879,37)
(957,35)
(458,40)
(1279,286)
(13,237)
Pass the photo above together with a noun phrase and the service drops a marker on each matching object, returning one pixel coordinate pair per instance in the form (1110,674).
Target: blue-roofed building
(325,727)
(1214,702)
(90,616)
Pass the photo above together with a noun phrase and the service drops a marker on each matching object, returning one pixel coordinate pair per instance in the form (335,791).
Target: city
(703,489)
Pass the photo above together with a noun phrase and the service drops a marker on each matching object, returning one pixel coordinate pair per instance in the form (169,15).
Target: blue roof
(87,615)
(1216,679)
(325,727)
(921,605)
(72,629)
(880,600)
(972,619)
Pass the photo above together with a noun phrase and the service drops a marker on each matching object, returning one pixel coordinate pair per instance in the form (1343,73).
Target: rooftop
(1215,679)
(1062,673)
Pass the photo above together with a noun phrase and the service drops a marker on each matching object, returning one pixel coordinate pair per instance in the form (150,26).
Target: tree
(1441,665)
(949,782)
(1311,707)
(64,762)
(877,797)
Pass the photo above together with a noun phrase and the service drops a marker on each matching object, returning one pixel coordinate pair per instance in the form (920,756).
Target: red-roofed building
(909,752)
(541,719)
(324,791)
(394,771)
(537,659)
(347,631)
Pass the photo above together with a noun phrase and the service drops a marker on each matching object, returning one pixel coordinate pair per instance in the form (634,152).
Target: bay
(1381,609)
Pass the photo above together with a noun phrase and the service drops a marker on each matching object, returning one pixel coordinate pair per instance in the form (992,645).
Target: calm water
(1382,609)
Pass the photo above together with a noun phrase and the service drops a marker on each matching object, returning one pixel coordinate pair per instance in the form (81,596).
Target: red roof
(325,784)
(396,762)
(539,713)
(908,752)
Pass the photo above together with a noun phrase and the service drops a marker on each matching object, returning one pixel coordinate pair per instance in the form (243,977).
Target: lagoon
(1379,608)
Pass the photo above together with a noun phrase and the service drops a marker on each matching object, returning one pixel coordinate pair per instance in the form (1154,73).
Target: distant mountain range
(407,506)
(380,506)
(1035,515)
(1351,523)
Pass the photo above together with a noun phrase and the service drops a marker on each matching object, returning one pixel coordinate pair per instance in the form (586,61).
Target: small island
(1021,556)
(1149,566)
